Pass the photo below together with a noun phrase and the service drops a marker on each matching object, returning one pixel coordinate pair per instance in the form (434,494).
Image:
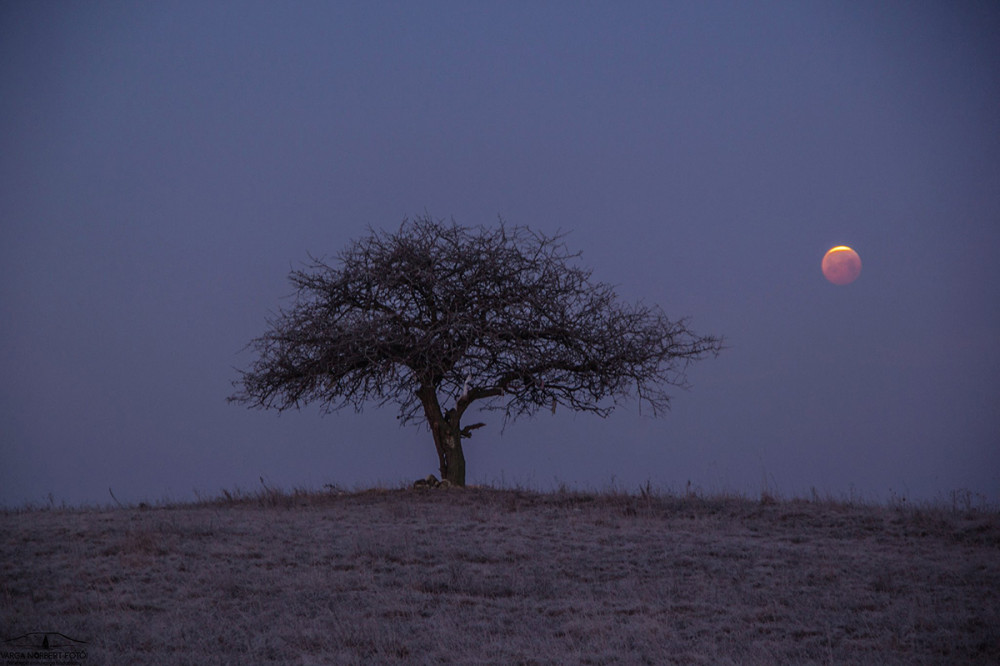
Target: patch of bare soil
(490,576)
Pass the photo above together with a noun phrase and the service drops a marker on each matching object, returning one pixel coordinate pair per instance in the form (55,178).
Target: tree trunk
(455,458)
(447,434)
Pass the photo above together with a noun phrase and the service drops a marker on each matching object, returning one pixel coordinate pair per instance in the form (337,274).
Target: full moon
(841,265)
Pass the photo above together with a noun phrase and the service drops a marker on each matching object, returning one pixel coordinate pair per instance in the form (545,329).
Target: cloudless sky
(164,165)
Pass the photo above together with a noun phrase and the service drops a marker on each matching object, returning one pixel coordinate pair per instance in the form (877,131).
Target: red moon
(841,265)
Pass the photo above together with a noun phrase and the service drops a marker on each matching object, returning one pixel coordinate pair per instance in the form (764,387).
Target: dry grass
(507,576)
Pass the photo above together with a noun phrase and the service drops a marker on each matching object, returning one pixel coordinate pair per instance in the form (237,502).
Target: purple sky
(163,165)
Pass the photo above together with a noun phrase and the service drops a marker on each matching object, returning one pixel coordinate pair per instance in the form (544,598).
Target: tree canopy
(437,316)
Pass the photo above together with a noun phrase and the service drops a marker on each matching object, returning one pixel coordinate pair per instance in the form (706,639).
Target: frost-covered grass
(507,576)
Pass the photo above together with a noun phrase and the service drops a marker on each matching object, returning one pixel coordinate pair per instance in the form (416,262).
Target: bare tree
(438,316)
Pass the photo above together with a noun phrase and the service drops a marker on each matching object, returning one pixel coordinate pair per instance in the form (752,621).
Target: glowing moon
(841,265)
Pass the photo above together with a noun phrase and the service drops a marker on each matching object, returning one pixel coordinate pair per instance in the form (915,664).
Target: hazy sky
(163,165)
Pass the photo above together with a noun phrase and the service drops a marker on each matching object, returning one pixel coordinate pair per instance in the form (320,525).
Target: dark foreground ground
(484,576)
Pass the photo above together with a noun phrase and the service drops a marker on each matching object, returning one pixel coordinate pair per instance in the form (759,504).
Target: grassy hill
(504,577)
